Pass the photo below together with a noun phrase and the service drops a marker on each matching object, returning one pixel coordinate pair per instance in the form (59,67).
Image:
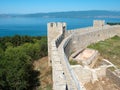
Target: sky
(38,6)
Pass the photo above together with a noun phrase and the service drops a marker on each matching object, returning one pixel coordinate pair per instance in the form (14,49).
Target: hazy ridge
(70,14)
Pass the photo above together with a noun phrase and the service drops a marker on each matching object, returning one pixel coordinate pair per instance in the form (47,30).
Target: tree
(15,70)
(16,56)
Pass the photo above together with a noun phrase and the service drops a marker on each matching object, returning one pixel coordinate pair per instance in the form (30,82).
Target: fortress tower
(54,29)
(98,23)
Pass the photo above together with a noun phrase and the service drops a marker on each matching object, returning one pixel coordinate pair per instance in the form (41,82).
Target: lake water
(38,26)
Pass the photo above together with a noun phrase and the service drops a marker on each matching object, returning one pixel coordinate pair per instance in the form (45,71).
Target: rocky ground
(102,84)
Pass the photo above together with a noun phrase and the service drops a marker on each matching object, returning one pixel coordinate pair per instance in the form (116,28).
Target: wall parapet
(89,29)
(66,78)
(81,40)
(59,81)
(72,81)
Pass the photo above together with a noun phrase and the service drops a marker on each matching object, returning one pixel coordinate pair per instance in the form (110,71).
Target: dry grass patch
(109,49)
(45,73)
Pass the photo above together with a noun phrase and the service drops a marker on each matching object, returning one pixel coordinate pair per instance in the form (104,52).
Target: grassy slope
(109,49)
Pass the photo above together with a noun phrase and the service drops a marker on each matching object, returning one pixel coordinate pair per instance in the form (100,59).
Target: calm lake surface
(38,26)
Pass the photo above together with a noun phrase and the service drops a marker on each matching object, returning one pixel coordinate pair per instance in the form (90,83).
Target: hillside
(17,54)
(45,77)
(70,14)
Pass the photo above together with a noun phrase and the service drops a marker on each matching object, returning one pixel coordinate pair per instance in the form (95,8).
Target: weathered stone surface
(98,23)
(61,43)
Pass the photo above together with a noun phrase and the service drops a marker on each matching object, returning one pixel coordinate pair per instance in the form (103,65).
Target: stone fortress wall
(55,30)
(80,39)
(62,42)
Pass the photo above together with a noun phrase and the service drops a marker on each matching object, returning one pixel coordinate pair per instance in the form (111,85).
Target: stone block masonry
(54,30)
(98,23)
(62,42)
(83,39)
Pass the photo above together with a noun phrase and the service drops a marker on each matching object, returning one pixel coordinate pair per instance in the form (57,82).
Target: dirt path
(103,84)
(45,73)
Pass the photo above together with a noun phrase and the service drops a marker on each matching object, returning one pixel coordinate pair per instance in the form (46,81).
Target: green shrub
(73,62)
(16,56)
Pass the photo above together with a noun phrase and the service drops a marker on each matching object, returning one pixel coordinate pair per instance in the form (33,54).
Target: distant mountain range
(70,14)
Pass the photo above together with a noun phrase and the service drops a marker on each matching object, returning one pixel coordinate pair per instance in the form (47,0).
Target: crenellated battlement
(57,27)
(98,23)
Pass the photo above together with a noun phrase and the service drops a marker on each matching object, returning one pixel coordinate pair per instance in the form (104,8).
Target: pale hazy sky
(35,6)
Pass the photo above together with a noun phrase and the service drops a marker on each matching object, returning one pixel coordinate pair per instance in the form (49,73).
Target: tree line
(113,23)
(17,54)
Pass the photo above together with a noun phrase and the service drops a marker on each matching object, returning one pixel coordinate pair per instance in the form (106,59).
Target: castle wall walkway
(61,48)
